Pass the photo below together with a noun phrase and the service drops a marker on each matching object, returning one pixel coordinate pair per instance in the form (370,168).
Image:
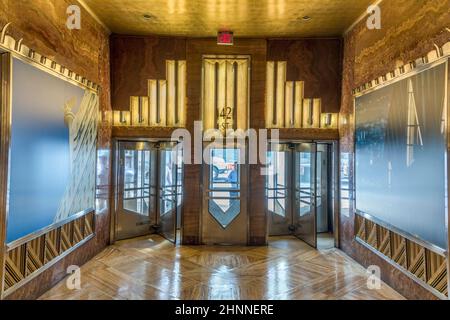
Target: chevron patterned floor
(152,268)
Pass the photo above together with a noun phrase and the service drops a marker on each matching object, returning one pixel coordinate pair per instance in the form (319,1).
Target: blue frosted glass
(40,163)
(400,155)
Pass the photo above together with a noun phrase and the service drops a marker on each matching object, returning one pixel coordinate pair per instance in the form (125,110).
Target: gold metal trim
(32,236)
(5,136)
(440,251)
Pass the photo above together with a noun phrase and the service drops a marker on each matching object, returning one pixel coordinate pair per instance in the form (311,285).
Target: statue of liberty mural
(82,125)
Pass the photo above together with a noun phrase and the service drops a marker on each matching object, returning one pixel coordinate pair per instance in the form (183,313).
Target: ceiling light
(306,18)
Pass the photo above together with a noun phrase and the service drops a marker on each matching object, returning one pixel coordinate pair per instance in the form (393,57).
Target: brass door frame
(5,137)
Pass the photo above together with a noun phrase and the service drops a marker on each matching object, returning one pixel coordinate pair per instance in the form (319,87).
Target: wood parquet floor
(288,269)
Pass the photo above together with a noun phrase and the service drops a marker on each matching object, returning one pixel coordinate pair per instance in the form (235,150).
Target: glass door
(169,189)
(305,190)
(136,189)
(149,189)
(323,196)
(279,189)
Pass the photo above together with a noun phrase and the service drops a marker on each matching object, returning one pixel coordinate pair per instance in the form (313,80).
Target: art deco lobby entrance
(224,150)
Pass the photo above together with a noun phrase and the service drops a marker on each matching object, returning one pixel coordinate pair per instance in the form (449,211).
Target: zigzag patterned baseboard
(425,265)
(25,259)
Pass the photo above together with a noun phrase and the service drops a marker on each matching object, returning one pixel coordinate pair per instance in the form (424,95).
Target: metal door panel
(322,199)
(168,195)
(305,215)
(135,211)
(224,214)
(279,189)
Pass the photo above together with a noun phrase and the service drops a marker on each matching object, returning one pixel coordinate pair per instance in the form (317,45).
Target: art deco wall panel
(135,60)
(225,93)
(316,63)
(419,262)
(163,106)
(303,91)
(25,259)
(81,58)
(371,55)
(196,50)
(286,105)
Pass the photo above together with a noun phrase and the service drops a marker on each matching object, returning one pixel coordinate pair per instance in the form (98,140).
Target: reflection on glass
(276,183)
(345,184)
(400,155)
(168,182)
(102,190)
(180,177)
(303,182)
(319,194)
(225,185)
(137,181)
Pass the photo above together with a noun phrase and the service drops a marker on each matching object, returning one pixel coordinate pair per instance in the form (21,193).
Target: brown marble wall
(135,60)
(41,24)
(315,61)
(409,31)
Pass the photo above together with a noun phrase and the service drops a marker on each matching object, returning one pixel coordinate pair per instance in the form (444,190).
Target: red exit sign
(225,38)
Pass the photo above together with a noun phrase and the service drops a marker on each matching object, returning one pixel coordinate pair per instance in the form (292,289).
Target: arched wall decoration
(165,104)
(286,105)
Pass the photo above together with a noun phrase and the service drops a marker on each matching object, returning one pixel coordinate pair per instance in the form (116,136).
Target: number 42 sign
(225,121)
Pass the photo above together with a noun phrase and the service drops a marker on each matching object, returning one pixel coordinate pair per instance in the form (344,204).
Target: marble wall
(409,31)
(42,25)
(317,62)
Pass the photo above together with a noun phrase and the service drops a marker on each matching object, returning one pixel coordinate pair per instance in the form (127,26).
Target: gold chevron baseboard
(426,266)
(30,256)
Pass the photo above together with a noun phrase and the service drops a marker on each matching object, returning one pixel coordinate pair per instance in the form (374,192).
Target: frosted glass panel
(400,155)
(53,150)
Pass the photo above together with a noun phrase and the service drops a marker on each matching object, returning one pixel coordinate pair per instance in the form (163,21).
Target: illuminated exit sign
(225,38)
